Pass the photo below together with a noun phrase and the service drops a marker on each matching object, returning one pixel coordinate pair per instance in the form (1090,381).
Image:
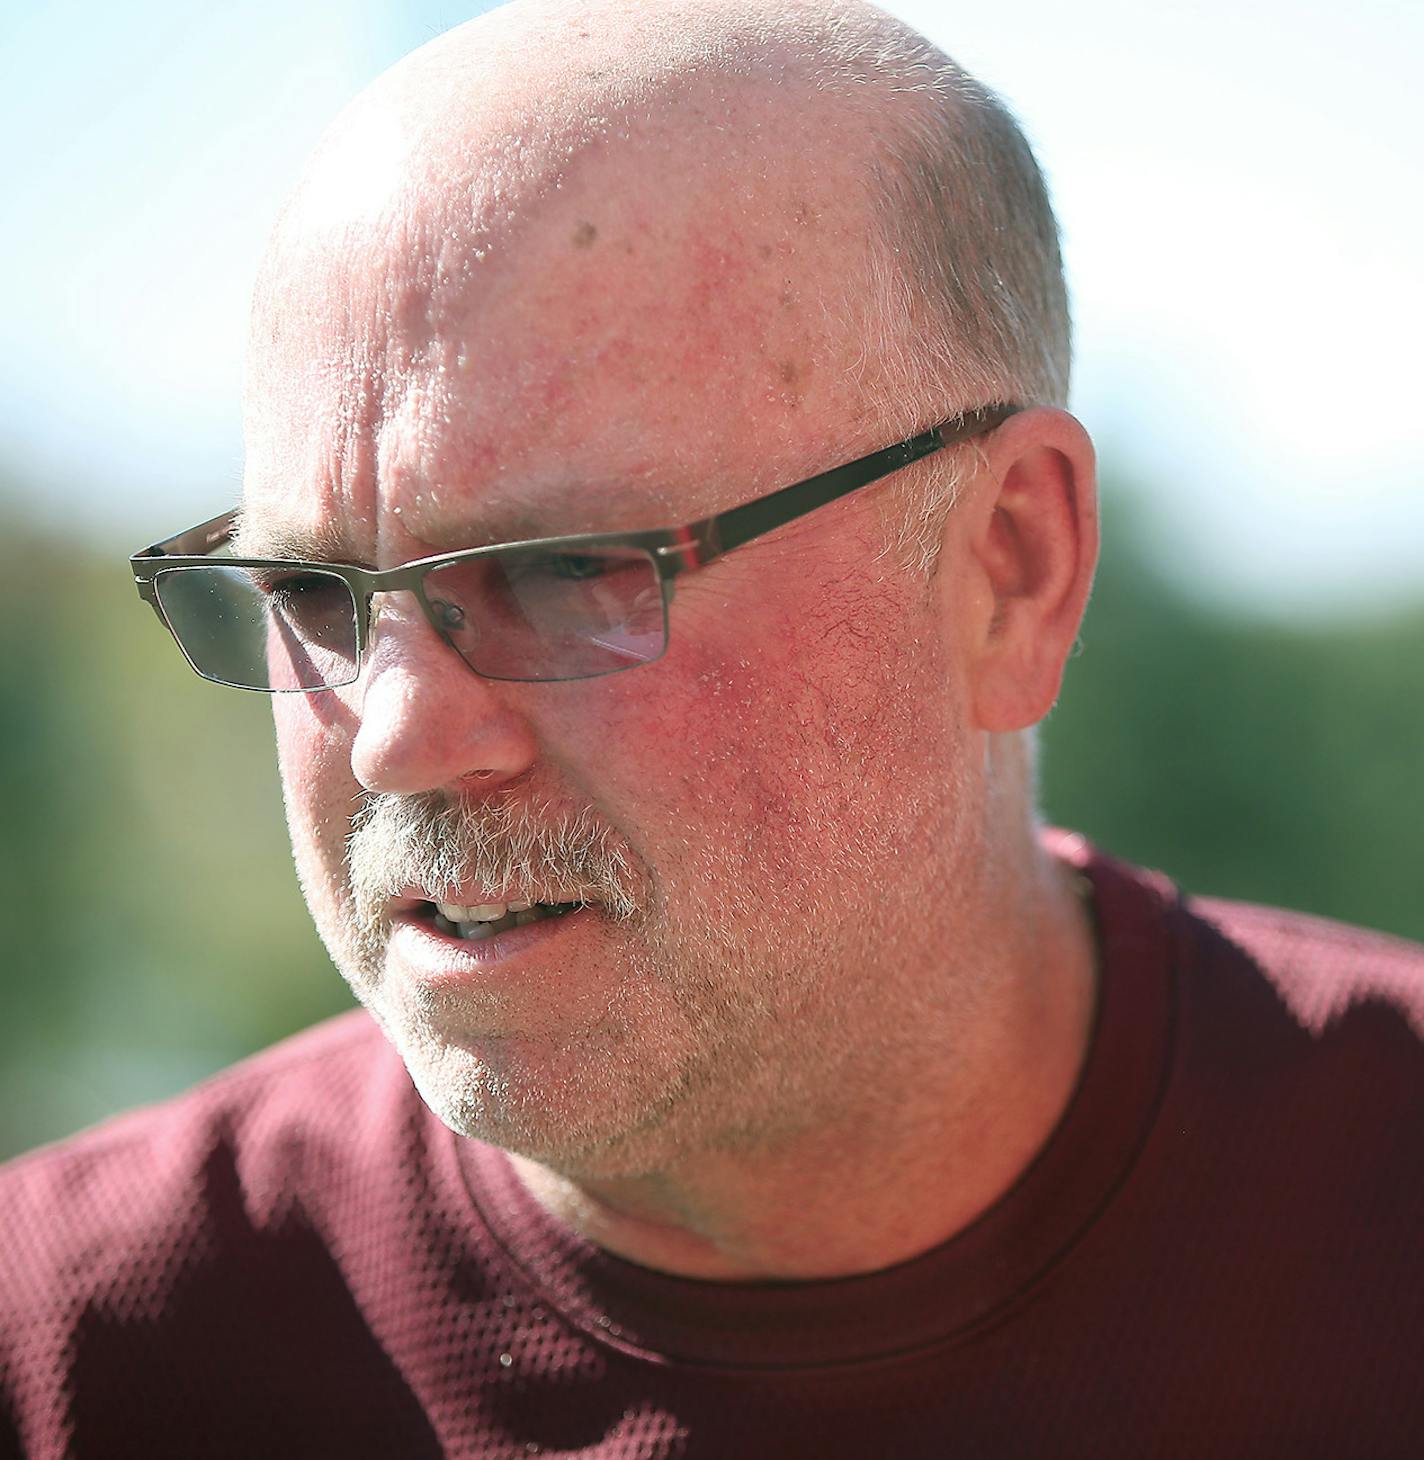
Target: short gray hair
(967,301)
(966,214)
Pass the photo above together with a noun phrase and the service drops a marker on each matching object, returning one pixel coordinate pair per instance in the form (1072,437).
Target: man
(795,1096)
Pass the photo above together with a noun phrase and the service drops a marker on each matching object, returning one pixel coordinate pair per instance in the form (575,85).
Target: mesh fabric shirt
(1217,1253)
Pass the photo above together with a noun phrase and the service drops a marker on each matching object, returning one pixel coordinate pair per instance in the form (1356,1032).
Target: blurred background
(1241,187)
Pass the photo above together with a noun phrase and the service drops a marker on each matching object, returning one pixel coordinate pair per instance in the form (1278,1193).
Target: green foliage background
(152,927)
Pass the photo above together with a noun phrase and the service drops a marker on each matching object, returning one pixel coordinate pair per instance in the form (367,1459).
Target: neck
(931,1146)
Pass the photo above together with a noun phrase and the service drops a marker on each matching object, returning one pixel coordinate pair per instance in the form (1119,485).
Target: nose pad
(446,619)
(443,617)
(398,632)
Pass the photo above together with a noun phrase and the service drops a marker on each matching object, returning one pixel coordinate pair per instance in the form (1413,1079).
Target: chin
(580,1108)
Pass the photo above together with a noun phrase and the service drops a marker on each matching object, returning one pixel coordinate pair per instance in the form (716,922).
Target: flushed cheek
(723,757)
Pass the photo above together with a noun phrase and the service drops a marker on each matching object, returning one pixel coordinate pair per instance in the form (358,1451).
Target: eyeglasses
(553,608)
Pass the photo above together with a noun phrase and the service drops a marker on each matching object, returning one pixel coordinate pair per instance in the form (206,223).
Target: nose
(427,721)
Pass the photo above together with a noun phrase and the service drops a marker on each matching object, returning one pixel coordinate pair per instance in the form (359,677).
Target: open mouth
(472,924)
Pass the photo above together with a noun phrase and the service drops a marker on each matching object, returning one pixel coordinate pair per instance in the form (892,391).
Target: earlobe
(1033,545)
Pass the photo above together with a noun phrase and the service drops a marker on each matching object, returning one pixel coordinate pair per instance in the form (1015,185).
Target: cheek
(314,756)
(775,749)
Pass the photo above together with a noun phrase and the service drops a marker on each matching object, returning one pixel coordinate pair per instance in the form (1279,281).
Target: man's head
(576,268)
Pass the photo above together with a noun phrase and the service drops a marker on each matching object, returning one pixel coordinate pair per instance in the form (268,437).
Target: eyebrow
(256,539)
(506,521)
(281,542)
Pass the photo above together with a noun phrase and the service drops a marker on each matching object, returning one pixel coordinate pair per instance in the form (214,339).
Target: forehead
(658,326)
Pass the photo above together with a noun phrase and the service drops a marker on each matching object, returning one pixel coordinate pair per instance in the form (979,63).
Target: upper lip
(411,898)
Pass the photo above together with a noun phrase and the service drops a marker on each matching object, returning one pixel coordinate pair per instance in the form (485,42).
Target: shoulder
(147,1188)
(1278,1015)
(1315,973)
(178,1271)
(1322,970)
(1268,1219)
(1311,1034)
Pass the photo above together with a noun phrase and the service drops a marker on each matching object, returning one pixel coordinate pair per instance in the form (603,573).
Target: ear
(1019,552)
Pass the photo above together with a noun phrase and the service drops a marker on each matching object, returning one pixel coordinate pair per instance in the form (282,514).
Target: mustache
(529,850)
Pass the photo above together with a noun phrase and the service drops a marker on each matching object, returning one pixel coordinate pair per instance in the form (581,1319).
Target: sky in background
(1240,185)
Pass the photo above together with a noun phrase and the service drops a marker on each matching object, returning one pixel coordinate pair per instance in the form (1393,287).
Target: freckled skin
(798,783)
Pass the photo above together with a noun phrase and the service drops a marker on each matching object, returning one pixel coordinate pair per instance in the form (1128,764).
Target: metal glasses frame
(673,550)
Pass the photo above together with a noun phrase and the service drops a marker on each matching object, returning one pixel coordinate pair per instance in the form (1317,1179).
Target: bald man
(661,534)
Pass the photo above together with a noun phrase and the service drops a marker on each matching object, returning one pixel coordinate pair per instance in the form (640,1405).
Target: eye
(314,603)
(286,591)
(575,567)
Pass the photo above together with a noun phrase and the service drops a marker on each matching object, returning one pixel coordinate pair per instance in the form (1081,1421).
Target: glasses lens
(255,629)
(540,613)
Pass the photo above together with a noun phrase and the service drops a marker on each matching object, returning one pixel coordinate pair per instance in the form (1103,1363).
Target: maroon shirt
(1217,1254)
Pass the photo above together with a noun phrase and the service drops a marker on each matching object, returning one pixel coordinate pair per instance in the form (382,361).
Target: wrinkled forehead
(503,334)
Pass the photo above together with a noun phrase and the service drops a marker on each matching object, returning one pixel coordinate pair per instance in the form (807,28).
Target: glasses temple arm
(737,525)
(196,541)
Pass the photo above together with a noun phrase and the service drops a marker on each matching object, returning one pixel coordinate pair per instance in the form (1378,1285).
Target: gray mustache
(432,842)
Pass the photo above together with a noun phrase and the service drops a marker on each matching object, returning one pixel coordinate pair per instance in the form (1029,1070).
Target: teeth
(476,932)
(474,924)
(489,912)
